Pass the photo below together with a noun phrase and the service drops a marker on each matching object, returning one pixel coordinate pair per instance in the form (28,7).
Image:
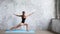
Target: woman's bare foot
(12,28)
(27,30)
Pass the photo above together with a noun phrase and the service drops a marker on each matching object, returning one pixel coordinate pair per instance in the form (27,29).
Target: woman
(23,16)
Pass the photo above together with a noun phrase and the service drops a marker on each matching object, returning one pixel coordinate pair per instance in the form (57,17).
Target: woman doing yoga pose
(23,17)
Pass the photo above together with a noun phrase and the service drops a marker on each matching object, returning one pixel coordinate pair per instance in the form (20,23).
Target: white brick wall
(44,11)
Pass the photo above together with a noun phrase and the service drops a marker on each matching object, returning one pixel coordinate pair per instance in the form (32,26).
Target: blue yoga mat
(20,31)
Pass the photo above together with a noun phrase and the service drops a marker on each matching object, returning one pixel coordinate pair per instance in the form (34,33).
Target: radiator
(56,25)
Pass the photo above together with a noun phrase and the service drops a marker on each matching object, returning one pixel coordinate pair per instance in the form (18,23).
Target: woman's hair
(23,12)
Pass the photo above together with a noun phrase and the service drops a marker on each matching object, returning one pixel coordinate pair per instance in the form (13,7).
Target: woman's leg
(19,25)
(26,26)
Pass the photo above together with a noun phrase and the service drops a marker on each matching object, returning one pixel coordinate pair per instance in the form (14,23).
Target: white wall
(43,12)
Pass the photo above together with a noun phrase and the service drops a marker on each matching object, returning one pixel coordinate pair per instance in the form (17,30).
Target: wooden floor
(44,32)
(39,32)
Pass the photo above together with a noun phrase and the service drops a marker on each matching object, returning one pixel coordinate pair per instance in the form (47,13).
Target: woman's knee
(26,24)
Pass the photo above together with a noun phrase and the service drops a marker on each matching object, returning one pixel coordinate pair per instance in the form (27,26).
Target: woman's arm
(30,14)
(18,15)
